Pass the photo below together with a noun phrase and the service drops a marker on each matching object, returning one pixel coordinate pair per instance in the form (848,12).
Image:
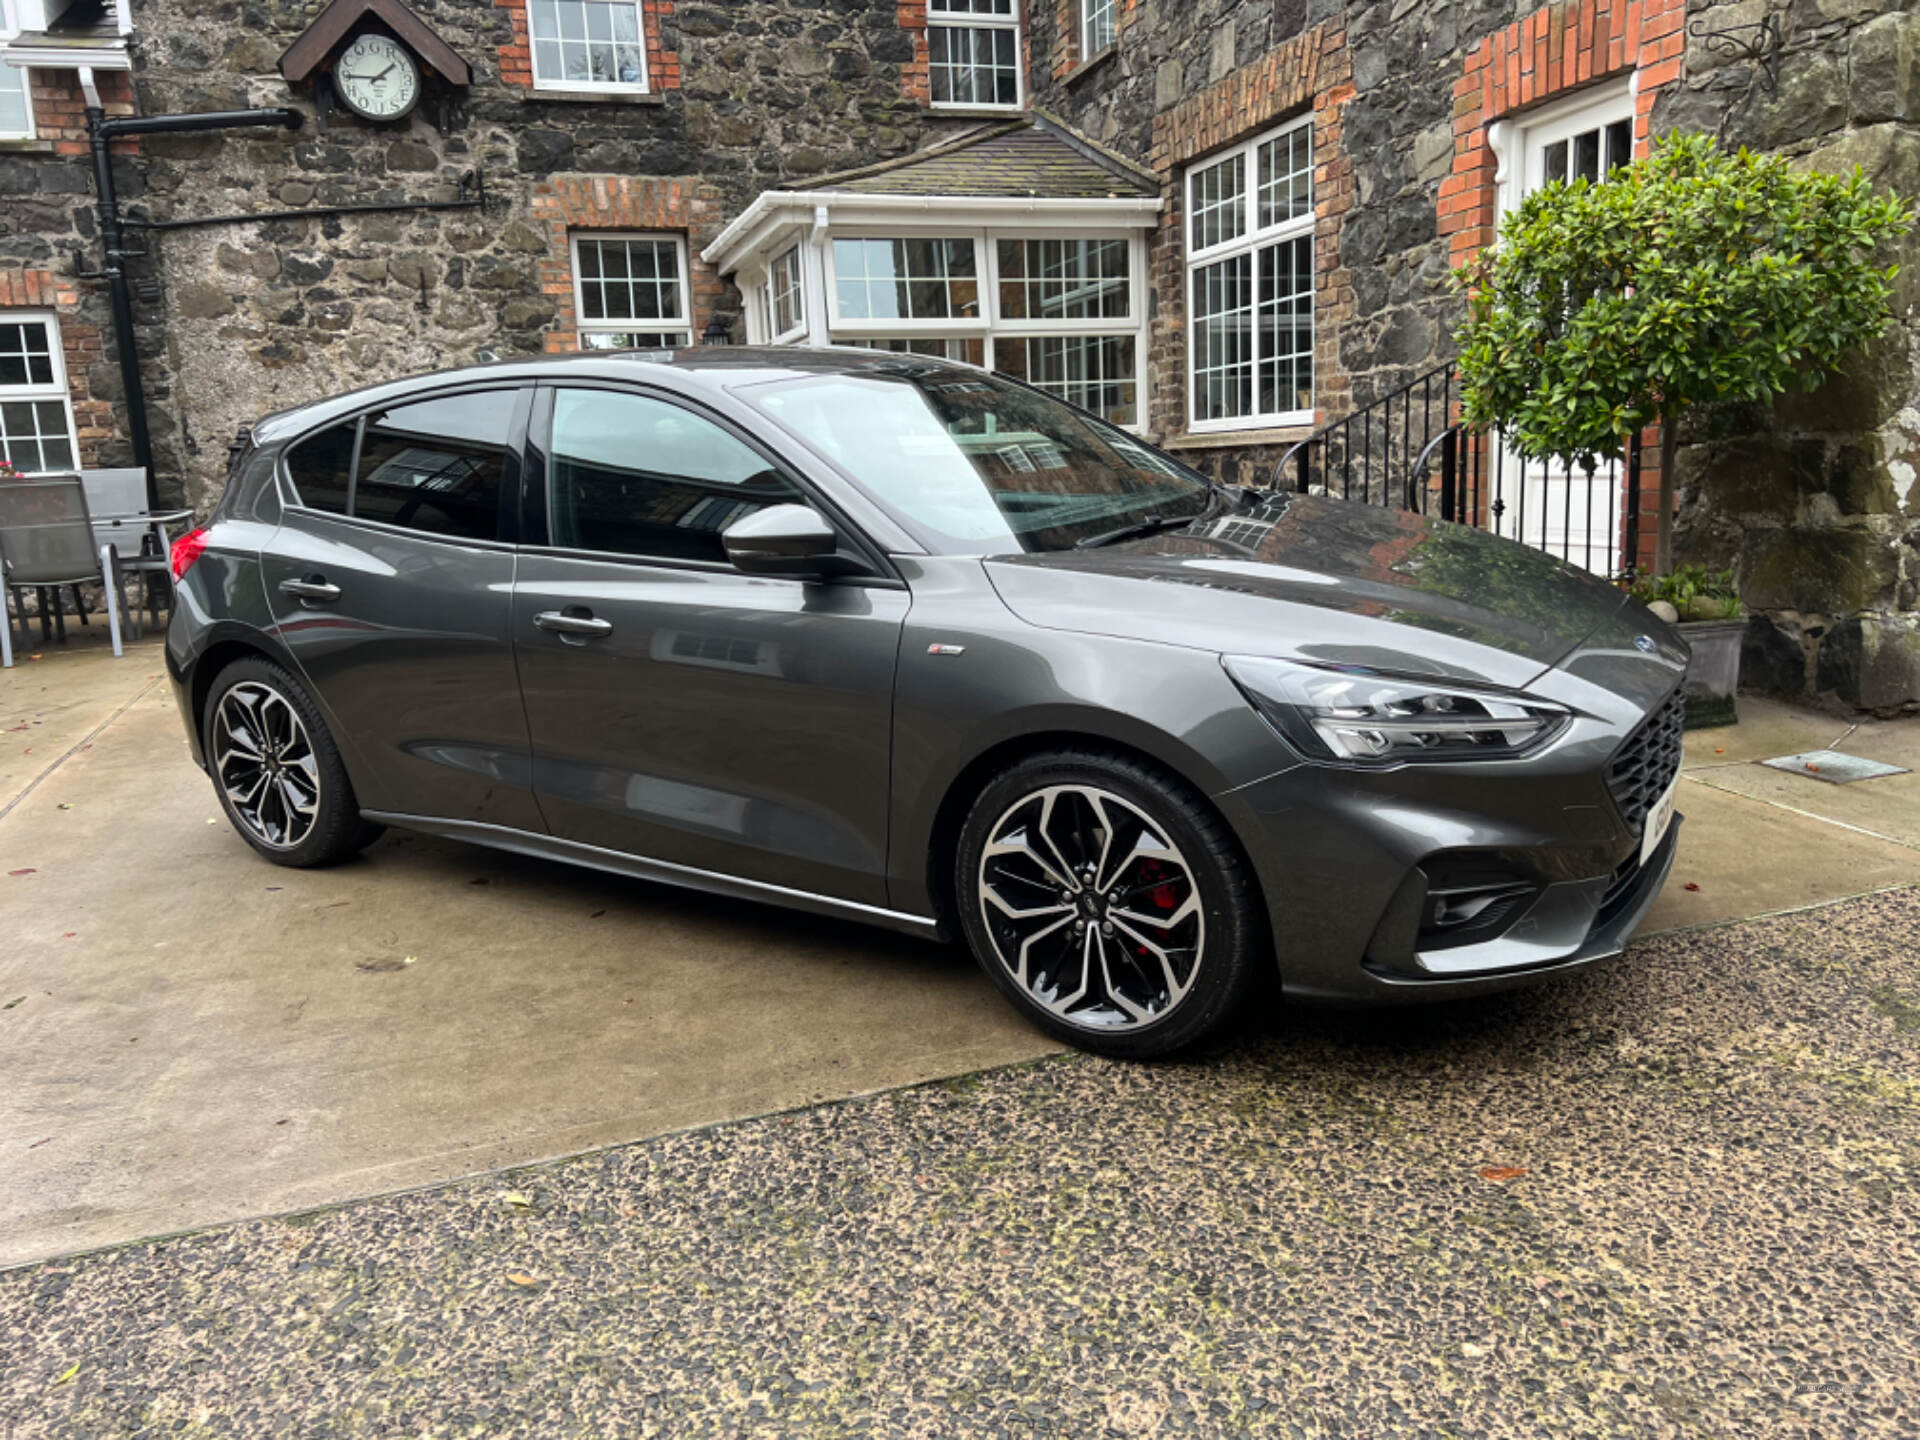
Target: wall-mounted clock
(376,77)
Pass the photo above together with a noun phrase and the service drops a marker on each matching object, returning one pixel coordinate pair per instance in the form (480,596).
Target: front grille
(1647,760)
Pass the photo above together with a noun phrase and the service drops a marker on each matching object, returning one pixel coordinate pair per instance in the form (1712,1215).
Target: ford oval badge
(1644,644)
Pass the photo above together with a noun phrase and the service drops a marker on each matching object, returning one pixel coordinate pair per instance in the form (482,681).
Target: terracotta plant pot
(1713,670)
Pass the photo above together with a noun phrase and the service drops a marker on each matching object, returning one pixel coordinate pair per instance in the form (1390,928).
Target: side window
(437,465)
(637,476)
(320,467)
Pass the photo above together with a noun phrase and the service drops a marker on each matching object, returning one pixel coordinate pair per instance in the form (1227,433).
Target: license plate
(1659,819)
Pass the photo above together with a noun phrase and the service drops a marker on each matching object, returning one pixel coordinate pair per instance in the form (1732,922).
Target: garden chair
(46,540)
(117,501)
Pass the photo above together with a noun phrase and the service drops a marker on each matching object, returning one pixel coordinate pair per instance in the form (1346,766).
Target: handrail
(1435,384)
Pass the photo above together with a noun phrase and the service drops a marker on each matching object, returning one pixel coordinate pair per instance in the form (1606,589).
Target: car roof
(691,370)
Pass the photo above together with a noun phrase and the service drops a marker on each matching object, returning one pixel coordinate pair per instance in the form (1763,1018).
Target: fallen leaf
(271,888)
(516,1199)
(73,1369)
(69,934)
(1689,886)
(63,805)
(1812,769)
(282,1122)
(28,870)
(381,966)
(11,1003)
(596,915)
(1501,1172)
(17,727)
(213,822)
(520,1277)
(38,1143)
(1719,749)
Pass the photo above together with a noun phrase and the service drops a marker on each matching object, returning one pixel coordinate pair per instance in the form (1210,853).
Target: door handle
(561,623)
(314,587)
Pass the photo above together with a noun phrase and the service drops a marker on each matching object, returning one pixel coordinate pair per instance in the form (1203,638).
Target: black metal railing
(1408,449)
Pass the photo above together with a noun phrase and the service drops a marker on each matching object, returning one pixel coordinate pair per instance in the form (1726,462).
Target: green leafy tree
(1691,276)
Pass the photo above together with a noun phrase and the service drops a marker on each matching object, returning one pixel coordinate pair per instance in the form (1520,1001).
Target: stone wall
(247,318)
(1812,502)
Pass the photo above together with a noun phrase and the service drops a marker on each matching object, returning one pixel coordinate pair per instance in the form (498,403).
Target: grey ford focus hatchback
(899,640)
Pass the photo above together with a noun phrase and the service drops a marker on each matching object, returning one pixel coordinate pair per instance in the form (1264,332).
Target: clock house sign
(377,59)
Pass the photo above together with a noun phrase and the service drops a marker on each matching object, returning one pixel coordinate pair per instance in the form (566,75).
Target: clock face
(376,77)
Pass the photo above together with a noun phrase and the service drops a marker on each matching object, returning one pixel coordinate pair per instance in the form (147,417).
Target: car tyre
(1121,895)
(276,769)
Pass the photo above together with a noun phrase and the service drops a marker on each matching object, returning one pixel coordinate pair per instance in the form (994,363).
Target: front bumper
(1362,871)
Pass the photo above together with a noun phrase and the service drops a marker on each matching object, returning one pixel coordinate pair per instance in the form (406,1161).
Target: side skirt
(663,872)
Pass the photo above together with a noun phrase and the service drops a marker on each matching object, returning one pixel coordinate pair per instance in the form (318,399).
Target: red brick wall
(1310,71)
(82,345)
(1555,51)
(568,203)
(60,109)
(516,57)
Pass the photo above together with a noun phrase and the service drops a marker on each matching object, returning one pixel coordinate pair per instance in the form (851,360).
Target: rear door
(722,721)
(391,582)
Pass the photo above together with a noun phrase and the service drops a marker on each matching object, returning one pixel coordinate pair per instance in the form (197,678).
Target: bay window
(786,308)
(1250,283)
(1065,315)
(630,292)
(973,52)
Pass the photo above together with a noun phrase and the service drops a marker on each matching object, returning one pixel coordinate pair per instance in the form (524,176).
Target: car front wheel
(1108,902)
(277,770)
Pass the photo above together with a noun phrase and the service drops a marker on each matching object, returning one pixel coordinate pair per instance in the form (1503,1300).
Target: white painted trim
(1250,242)
(583,326)
(945,20)
(585,87)
(758,227)
(57,388)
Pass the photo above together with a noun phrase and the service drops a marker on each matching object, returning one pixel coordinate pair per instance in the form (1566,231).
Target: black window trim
(508,519)
(537,476)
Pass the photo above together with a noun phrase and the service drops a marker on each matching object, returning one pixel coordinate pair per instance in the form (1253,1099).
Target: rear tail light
(187,549)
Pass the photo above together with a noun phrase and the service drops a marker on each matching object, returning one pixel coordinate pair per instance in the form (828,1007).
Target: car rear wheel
(277,770)
(1108,902)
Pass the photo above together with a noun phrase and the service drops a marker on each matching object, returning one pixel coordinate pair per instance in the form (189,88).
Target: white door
(1546,504)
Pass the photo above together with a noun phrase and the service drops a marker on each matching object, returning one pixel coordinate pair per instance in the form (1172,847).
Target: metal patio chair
(117,502)
(46,541)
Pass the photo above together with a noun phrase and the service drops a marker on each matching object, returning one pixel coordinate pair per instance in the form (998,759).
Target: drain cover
(1833,767)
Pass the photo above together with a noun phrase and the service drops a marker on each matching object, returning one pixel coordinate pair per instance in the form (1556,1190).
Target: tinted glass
(319,467)
(438,466)
(973,463)
(637,476)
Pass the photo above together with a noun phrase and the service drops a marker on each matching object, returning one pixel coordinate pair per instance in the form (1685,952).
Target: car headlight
(1360,717)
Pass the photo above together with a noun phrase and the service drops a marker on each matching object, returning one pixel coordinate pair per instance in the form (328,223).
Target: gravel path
(1674,1196)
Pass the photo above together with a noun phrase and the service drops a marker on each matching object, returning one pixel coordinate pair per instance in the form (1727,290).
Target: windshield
(972,463)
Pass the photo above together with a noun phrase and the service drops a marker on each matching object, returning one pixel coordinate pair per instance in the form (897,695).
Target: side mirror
(783,540)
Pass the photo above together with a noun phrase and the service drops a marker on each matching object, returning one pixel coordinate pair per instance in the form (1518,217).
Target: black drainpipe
(102,132)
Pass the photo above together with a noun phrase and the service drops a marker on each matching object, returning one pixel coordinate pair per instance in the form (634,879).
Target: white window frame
(54,389)
(9,28)
(1090,11)
(990,326)
(607,87)
(583,326)
(1251,240)
(953,20)
(797,331)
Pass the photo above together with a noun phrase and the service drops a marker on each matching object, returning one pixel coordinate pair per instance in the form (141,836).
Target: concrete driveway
(193,1036)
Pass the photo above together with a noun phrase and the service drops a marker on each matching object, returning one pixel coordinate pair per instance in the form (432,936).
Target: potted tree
(1693,276)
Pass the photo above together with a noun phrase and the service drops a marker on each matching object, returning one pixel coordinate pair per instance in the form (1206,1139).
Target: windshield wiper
(1146,525)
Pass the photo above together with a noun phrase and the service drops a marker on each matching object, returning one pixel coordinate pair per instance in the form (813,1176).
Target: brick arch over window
(83,350)
(1311,73)
(570,204)
(1555,51)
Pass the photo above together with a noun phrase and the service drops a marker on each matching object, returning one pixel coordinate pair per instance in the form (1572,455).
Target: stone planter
(1713,670)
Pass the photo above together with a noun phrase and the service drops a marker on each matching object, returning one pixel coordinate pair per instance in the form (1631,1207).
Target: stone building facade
(1308,172)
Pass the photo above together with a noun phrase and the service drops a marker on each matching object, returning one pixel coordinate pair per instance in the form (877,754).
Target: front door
(390,581)
(680,710)
(1549,505)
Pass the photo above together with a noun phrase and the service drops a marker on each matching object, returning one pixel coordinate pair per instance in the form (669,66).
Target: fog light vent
(1467,914)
